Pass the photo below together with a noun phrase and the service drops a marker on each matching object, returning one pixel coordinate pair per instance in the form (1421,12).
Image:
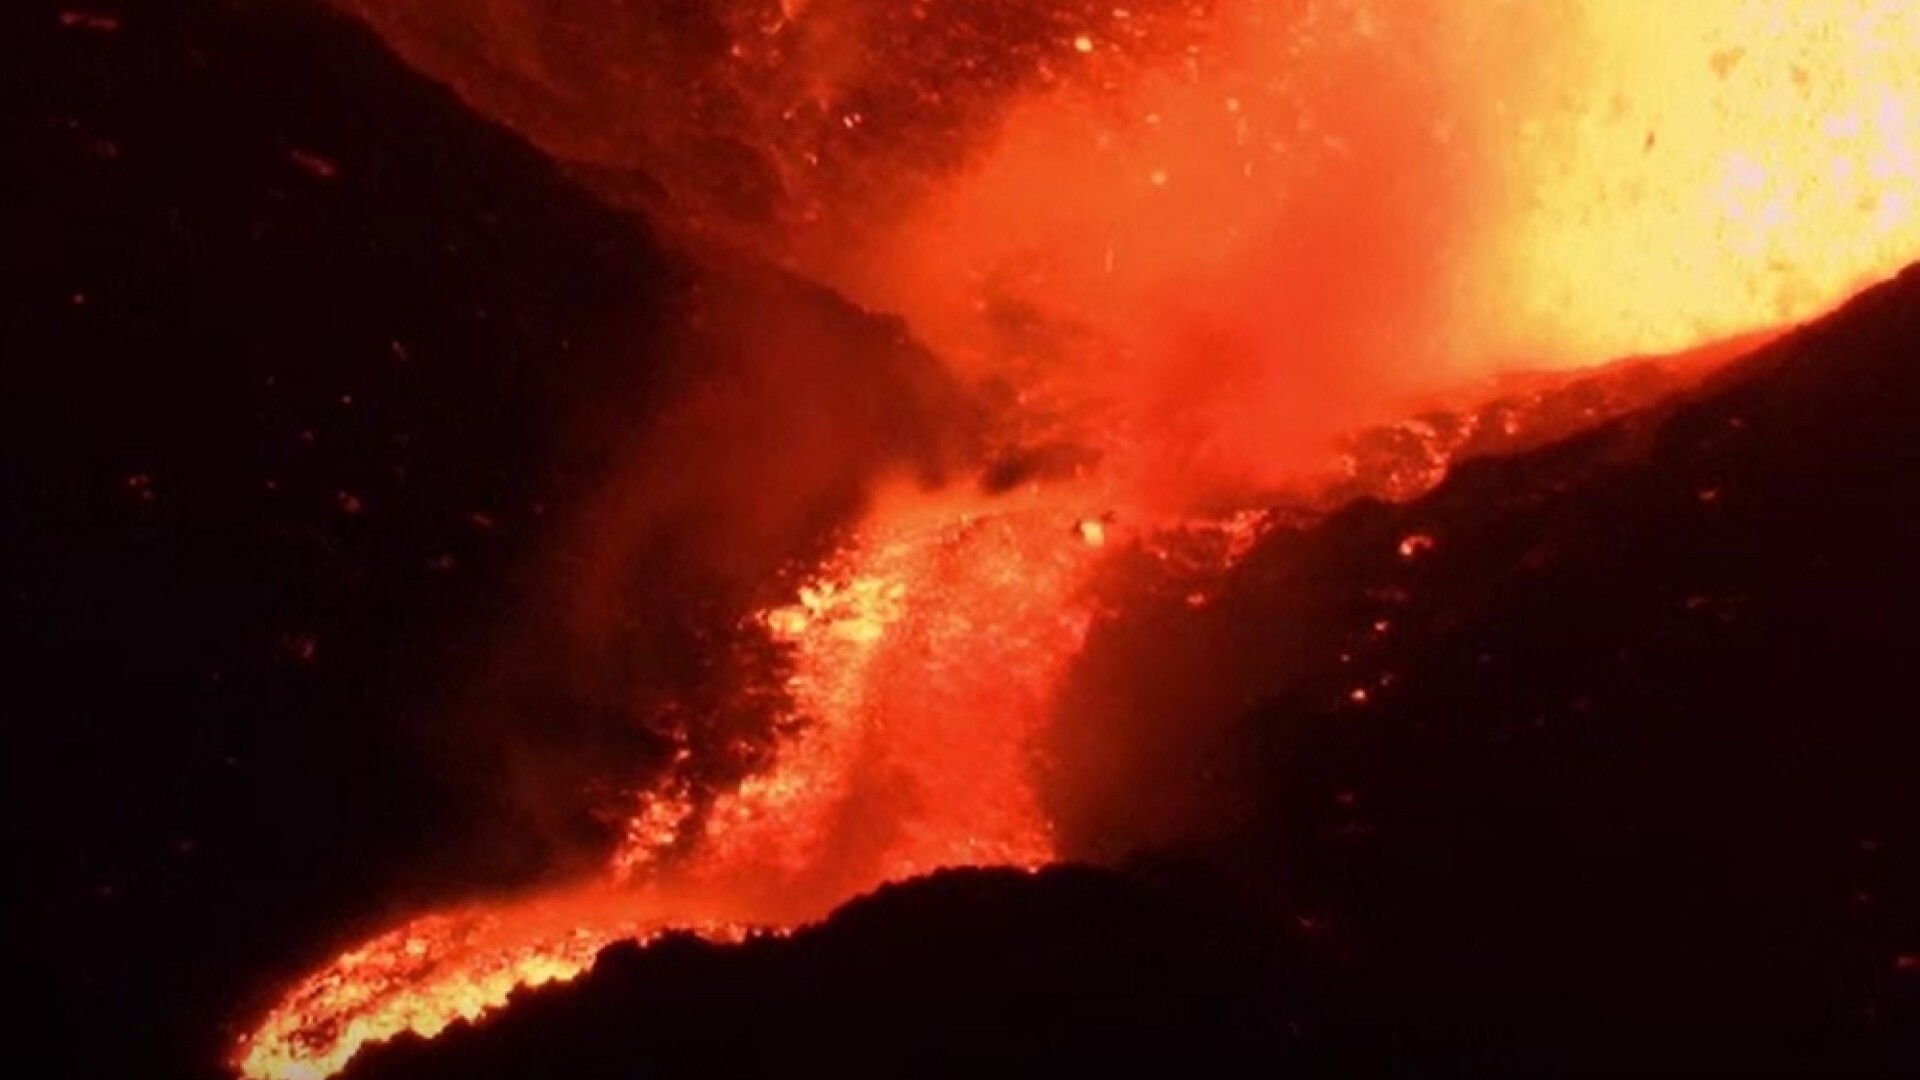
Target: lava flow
(924,657)
(1205,255)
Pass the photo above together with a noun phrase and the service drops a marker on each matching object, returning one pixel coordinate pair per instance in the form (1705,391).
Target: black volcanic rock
(282,324)
(310,380)
(1599,757)
(1067,969)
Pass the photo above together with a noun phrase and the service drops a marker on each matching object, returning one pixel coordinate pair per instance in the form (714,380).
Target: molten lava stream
(924,660)
(1285,221)
(439,968)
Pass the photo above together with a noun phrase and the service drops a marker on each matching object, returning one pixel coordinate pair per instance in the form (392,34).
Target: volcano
(675,542)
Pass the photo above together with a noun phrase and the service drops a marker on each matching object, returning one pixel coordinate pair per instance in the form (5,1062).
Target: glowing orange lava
(1236,227)
(1733,165)
(440,968)
(925,657)
(1318,207)
(1207,256)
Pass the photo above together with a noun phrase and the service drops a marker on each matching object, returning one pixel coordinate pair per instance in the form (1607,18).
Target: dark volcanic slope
(280,320)
(1058,972)
(1630,791)
(1600,753)
(310,379)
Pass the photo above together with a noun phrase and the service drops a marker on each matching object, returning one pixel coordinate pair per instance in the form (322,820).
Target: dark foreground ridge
(1065,969)
(1597,757)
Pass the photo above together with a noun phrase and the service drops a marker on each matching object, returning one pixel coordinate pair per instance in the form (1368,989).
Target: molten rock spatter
(923,677)
(1243,224)
(438,969)
(925,655)
(925,660)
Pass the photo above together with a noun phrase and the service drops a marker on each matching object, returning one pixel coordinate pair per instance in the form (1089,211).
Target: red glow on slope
(925,655)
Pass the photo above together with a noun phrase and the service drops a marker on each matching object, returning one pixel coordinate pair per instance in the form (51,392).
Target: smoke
(1198,237)
(784,408)
(1173,247)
